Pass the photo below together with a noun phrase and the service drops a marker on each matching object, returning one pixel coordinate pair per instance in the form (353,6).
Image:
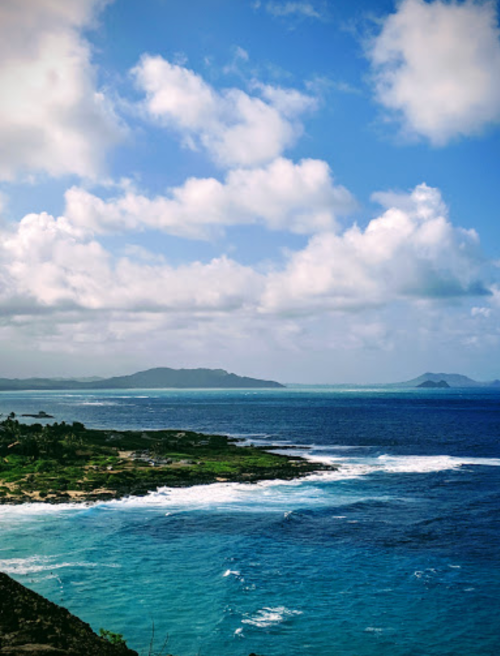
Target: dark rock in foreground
(30,624)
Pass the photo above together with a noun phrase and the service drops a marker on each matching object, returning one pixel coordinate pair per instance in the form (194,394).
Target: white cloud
(300,198)
(235,128)
(53,119)
(48,265)
(410,252)
(240,56)
(495,290)
(286,9)
(4,202)
(481,312)
(372,291)
(437,65)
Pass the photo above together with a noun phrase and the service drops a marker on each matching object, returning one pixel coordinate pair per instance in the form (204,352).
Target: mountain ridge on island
(157,378)
(433,380)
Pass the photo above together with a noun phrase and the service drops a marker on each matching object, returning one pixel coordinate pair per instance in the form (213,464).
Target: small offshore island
(62,462)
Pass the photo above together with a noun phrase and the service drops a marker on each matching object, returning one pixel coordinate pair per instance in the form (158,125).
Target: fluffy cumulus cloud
(410,270)
(410,252)
(301,198)
(53,118)
(48,265)
(234,127)
(437,65)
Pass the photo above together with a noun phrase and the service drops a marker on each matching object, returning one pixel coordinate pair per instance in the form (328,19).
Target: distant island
(432,380)
(158,378)
(430,384)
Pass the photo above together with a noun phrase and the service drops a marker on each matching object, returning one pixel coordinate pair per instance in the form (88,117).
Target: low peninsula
(63,462)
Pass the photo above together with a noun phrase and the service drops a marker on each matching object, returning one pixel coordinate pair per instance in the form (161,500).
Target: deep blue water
(396,554)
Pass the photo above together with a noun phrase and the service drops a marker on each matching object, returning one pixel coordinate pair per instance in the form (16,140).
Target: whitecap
(356,467)
(266,617)
(36,564)
(97,403)
(41,509)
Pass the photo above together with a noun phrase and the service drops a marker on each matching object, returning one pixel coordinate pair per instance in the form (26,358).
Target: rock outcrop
(30,624)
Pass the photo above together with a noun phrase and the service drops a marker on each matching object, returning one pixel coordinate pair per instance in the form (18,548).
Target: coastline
(62,463)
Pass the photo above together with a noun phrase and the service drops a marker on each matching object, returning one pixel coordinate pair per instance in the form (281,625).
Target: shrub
(113,638)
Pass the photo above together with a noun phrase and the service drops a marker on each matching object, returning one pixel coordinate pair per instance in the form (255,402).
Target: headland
(63,462)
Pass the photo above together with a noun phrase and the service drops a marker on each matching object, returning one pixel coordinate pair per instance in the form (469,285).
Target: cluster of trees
(59,441)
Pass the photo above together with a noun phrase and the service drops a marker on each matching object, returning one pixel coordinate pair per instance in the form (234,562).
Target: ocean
(395,554)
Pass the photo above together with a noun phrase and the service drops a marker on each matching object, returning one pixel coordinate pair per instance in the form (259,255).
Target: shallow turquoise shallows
(396,554)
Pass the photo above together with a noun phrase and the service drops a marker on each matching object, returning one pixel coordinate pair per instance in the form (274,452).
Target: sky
(302,190)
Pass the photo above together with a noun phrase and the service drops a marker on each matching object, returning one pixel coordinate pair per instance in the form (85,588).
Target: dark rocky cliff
(30,624)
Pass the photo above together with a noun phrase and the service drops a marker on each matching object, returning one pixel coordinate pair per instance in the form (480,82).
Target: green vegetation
(62,462)
(113,638)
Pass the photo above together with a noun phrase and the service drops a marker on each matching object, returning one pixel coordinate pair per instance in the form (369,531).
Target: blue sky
(303,190)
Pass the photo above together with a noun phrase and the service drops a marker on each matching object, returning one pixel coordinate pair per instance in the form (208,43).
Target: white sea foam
(241,496)
(270,496)
(337,447)
(266,617)
(36,564)
(351,467)
(40,509)
(98,403)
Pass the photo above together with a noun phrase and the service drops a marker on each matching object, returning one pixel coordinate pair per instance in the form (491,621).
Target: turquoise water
(395,554)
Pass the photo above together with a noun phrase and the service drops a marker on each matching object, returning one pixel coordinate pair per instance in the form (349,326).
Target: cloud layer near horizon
(411,251)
